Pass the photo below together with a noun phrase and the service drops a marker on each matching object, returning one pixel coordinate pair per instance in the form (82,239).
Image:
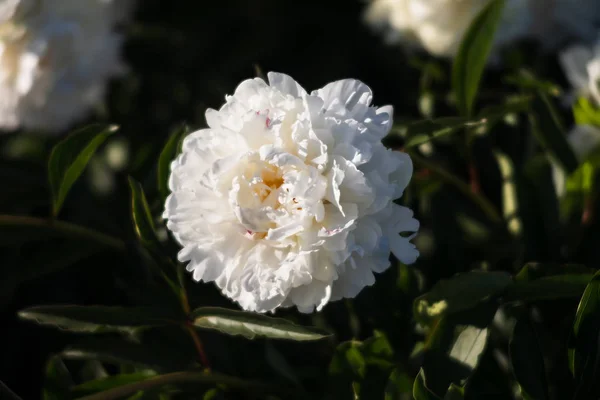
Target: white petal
(285,84)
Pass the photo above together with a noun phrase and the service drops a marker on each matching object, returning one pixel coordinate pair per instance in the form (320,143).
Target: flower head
(287,198)
(439,25)
(582,67)
(55,58)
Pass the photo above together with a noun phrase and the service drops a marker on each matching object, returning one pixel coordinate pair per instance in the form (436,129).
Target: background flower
(55,59)
(439,25)
(582,67)
(287,199)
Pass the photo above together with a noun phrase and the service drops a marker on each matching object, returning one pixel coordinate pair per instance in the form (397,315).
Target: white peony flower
(439,25)
(55,58)
(287,198)
(582,67)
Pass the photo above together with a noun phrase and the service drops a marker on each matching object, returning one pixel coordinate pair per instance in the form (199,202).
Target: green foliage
(586,113)
(528,361)
(251,325)
(96,319)
(472,56)
(142,217)
(69,158)
(550,133)
(583,353)
(167,155)
(462,292)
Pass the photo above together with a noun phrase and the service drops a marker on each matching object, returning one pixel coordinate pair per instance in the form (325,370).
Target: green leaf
(455,346)
(532,271)
(461,292)
(57,380)
(420,389)
(142,217)
(110,382)
(548,288)
(472,56)
(163,356)
(528,361)
(424,131)
(583,351)
(526,80)
(96,319)
(15,230)
(70,157)
(399,386)
(586,113)
(251,325)
(550,133)
(167,155)
(469,345)
(192,377)
(455,392)
(7,394)
(512,105)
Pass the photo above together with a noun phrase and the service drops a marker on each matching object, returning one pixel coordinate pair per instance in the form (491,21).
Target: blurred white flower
(582,67)
(439,25)
(287,199)
(55,59)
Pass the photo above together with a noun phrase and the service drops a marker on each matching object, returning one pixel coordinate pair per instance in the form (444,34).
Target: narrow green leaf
(16,230)
(532,271)
(472,56)
(528,361)
(586,331)
(548,288)
(190,377)
(70,157)
(461,292)
(420,390)
(425,131)
(455,392)
(526,80)
(513,105)
(99,318)
(251,325)
(119,350)
(110,382)
(167,155)
(142,217)
(550,133)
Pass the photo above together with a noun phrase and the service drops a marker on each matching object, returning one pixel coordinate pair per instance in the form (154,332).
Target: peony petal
(285,84)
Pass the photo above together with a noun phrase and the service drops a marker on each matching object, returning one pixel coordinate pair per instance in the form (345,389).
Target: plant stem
(484,204)
(199,346)
(64,228)
(179,377)
(185,304)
